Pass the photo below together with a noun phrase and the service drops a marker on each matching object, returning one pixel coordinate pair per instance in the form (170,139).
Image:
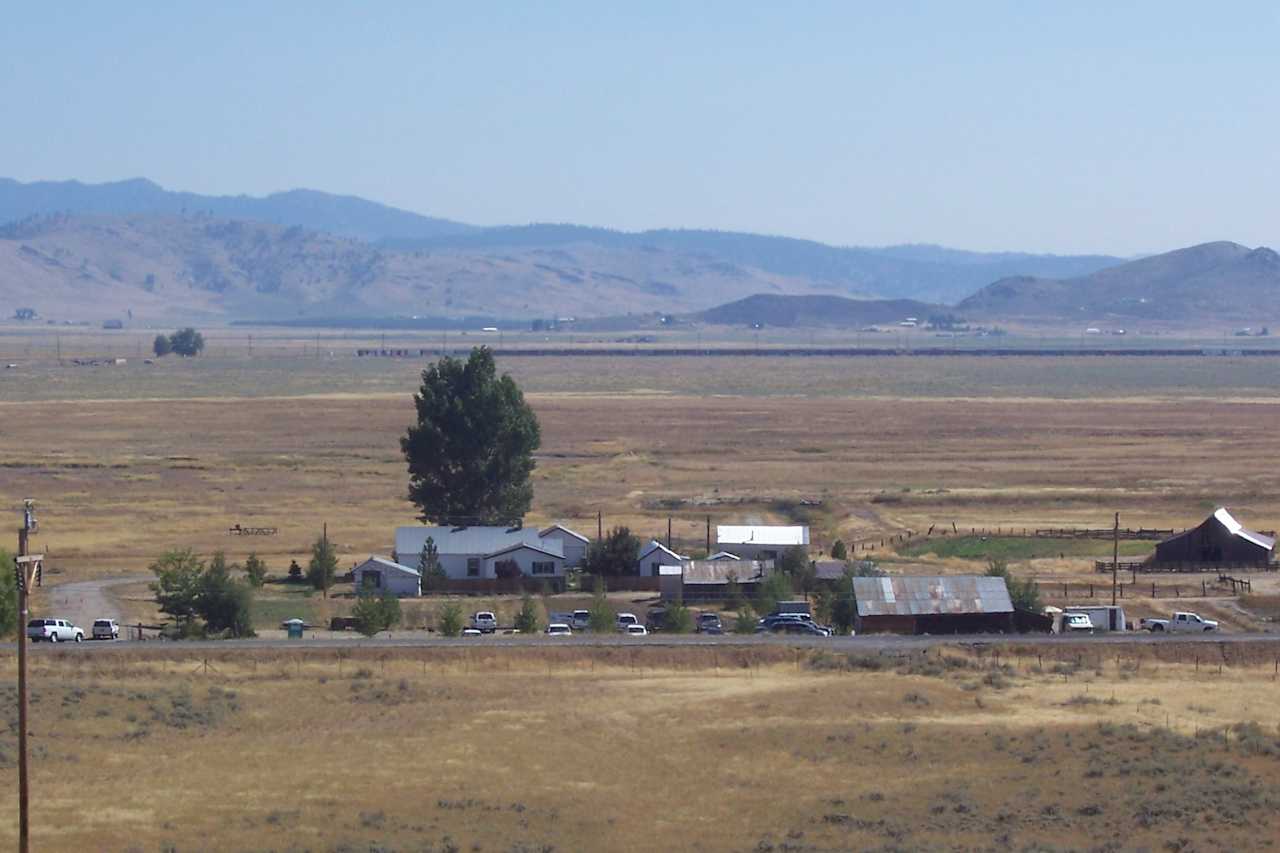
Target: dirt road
(84,601)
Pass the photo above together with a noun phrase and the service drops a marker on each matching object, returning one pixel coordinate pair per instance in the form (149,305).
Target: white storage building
(378,575)
(761,541)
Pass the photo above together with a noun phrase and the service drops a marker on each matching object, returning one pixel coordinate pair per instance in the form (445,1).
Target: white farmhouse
(761,541)
(473,552)
(654,556)
(572,544)
(378,575)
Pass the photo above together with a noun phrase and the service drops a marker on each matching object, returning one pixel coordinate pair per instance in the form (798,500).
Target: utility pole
(27,569)
(599,525)
(1115,558)
(324,555)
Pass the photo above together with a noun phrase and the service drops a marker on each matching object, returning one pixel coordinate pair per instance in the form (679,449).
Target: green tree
(225,604)
(433,574)
(470,453)
(187,342)
(797,566)
(324,565)
(745,621)
(844,610)
(839,551)
(179,576)
(8,594)
(295,572)
(255,570)
(161,346)
(451,619)
(1023,592)
(776,587)
(527,621)
(614,555)
(677,619)
(603,617)
(377,613)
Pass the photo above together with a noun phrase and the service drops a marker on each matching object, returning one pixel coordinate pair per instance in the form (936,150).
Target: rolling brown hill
(1200,285)
(202,268)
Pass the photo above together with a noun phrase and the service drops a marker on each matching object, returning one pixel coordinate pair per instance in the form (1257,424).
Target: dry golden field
(652,749)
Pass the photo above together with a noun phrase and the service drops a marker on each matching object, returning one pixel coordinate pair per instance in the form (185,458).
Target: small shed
(379,575)
(923,604)
(761,541)
(1218,539)
(710,580)
(654,556)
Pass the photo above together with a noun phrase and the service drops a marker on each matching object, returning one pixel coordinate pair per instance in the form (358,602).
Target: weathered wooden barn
(1219,539)
(922,604)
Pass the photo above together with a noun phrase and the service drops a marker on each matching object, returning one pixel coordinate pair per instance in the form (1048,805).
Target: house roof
(714,572)
(655,545)
(762,534)
(551,549)
(924,595)
(389,565)
(723,555)
(471,541)
(829,570)
(558,526)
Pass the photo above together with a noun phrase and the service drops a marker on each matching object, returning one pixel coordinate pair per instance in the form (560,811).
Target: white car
(472,632)
(53,630)
(484,621)
(559,629)
(1076,622)
(105,629)
(581,620)
(625,620)
(637,631)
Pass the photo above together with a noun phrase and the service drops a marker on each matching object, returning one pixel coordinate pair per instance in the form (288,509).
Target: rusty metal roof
(920,595)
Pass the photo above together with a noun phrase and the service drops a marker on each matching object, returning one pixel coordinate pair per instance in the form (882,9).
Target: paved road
(84,601)
(869,643)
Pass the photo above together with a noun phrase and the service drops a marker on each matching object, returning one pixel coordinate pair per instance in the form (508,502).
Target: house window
(473,567)
(547,568)
(371,580)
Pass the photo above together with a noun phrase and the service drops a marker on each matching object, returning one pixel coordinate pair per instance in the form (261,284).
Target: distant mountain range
(1210,282)
(131,248)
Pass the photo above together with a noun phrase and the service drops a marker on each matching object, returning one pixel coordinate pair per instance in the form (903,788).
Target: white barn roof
(1235,528)
(464,540)
(558,526)
(389,565)
(655,545)
(762,534)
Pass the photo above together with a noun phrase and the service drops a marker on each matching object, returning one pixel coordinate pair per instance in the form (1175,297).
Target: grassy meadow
(620,749)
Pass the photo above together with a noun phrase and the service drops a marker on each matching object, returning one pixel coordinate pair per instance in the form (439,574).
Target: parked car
(105,629)
(484,621)
(637,631)
(559,629)
(54,631)
(709,623)
(655,618)
(581,620)
(784,618)
(801,627)
(1181,622)
(1076,623)
(472,632)
(625,619)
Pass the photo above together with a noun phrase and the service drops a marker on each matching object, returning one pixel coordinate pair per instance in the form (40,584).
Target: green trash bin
(294,627)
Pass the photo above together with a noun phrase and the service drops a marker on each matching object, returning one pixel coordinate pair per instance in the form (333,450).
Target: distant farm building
(760,541)
(473,553)
(378,576)
(572,544)
(711,580)
(951,604)
(1219,539)
(654,556)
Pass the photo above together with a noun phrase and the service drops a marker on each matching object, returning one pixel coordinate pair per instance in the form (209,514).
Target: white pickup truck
(1180,623)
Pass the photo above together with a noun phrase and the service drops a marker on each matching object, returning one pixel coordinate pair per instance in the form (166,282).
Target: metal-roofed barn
(1218,539)
(922,604)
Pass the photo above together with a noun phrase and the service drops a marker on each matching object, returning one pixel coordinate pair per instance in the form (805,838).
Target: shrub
(527,617)
(324,564)
(677,619)
(376,613)
(616,554)
(602,617)
(507,569)
(775,588)
(839,551)
(745,621)
(451,619)
(1024,592)
(255,570)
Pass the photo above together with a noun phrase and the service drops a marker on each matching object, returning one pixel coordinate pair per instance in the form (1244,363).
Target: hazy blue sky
(1042,126)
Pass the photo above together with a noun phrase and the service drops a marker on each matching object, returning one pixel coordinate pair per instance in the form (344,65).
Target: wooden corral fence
(1151,567)
(1149,534)
(1206,589)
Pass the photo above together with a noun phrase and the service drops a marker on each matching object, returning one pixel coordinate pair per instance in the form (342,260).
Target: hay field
(654,749)
(119,481)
